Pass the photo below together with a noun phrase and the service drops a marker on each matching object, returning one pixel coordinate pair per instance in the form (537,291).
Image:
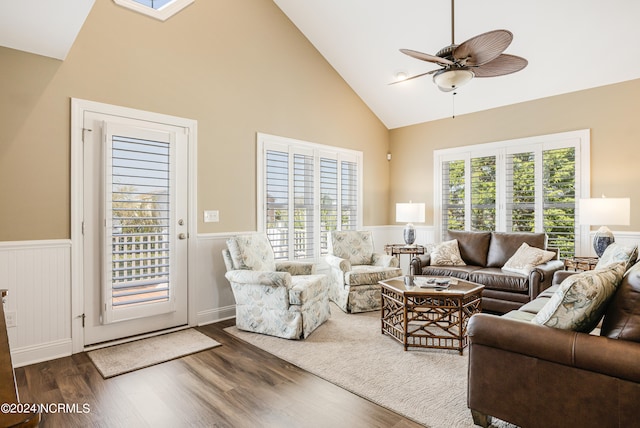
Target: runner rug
(127,357)
(427,386)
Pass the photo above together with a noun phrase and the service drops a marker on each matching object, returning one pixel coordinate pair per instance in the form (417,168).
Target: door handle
(182,236)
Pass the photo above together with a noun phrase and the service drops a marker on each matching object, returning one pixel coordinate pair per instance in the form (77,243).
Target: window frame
(162,14)
(579,140)
(292,146)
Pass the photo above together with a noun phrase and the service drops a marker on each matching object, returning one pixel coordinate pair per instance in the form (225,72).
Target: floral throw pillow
(581,299)
(447,253)
(526,258)
(616,253)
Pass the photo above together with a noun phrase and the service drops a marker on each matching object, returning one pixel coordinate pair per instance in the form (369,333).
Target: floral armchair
(356,270)
(284,299)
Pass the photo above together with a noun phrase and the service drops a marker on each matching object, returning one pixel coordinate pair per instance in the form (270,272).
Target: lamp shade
(410,213)
(605,211)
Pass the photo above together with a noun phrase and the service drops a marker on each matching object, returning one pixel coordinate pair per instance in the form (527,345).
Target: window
(304,191)
(158,9)
(526,185)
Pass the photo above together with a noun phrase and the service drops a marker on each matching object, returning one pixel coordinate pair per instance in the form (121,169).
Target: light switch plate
(211,216)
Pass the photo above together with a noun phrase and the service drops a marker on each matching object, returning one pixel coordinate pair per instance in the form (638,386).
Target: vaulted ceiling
(571,45)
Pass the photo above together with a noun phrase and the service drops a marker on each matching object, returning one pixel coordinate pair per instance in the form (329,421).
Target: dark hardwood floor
(233,385)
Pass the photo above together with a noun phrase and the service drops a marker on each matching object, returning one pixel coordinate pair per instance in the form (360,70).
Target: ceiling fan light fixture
(452,78)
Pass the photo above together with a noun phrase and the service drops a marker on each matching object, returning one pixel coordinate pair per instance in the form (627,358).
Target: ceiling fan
(480,56)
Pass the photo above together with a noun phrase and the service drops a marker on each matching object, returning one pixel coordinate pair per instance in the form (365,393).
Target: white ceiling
(43,27)
(570,45)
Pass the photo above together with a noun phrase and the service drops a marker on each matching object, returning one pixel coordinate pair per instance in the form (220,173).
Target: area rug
(427,386)
(127,357)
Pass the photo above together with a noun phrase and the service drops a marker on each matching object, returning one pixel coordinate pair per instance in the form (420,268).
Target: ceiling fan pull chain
(453,105)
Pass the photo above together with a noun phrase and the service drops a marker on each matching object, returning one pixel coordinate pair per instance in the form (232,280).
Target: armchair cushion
(251,252)
(296,268)
(306,288)
(581,299)
(367,274)
(526,258)
(355,246)
(447,253)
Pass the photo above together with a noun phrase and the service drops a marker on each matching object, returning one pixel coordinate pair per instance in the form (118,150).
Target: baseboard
(210,316)
(42,352)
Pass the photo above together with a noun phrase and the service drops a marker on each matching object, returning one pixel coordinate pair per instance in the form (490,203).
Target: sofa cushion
(526,258)
(581,299)
(519,315)
(251,252)
(622,319)
(473,246)
(461,272)
(616,253)
(504,245)
(368,274)
(353,245)
(447,253)
(497,279)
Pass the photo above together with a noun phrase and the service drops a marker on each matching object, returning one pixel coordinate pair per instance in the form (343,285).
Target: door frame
(78,107)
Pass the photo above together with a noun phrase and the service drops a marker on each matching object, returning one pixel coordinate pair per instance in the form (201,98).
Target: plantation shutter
(483,193)
(453,195)
(559,190)
(137,225)
(349,195)
(303,206)
(307,190)
(277,201)
(521,192)
(328,201)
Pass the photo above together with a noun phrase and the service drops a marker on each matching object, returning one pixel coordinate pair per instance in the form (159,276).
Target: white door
(135,227)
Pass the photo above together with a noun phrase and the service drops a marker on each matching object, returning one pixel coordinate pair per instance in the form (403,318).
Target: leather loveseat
(533,375)
(484,255)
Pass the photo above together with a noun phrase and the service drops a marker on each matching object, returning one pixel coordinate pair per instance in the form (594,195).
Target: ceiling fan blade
(503,64)
(483,48)
(426,57)
(414,77)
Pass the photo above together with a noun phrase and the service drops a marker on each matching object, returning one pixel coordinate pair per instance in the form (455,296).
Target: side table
(580,263)
(398,249)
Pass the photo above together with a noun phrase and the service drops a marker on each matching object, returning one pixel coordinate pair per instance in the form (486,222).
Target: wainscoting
(38,277)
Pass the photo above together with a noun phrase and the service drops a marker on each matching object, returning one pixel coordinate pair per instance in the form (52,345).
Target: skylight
(153,4)
(159,9)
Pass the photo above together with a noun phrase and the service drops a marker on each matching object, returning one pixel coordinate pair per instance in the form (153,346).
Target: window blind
(453,195)
(483,193)
(139,209)
(307,190)
(521,192)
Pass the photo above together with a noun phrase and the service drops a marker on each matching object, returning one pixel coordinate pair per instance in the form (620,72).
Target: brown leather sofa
(537,376)
(484,254)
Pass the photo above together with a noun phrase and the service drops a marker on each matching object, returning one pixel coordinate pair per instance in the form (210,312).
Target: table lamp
(410,213)
(601,212)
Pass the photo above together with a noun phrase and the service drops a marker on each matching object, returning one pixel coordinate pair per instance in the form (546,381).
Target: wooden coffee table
(429,317)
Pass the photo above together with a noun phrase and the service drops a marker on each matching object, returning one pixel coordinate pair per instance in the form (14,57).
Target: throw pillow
(616,253)
(447,253)
(252,252)
(581,299)
(526,258)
